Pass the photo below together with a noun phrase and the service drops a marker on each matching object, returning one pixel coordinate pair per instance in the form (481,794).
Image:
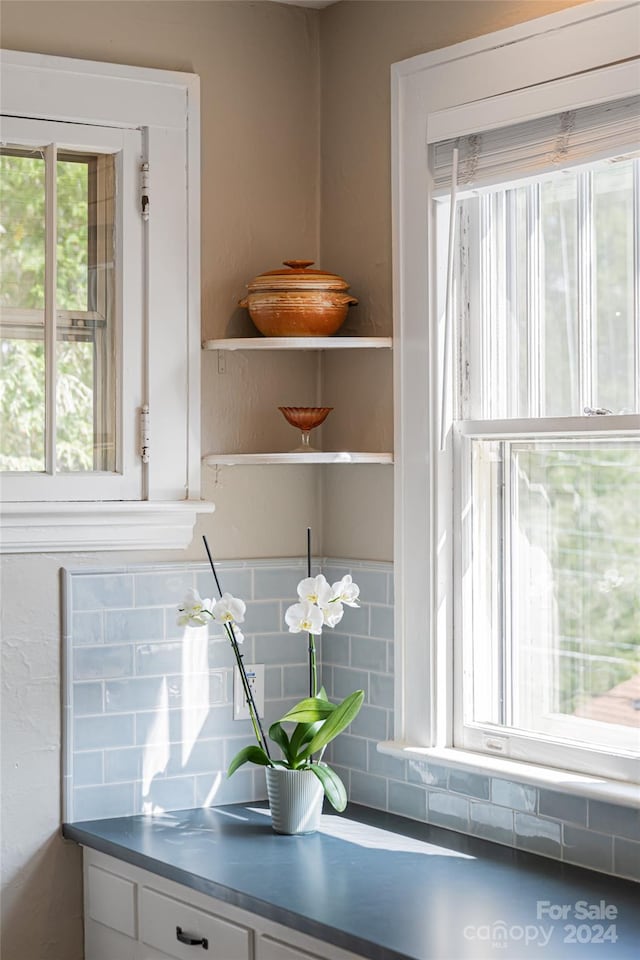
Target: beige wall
(259,65)
(359,40)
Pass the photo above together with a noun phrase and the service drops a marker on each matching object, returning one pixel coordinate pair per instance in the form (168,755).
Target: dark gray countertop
(382,886)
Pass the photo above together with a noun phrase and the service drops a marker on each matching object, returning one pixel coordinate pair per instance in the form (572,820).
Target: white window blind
(523,150)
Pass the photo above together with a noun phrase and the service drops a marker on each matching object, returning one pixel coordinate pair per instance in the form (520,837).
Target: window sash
(126,481)
(555,741)
(487,227)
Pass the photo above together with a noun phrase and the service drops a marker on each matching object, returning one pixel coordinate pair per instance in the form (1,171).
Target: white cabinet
(131,914)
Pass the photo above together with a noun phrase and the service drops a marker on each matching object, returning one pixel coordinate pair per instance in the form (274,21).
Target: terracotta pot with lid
(297,301)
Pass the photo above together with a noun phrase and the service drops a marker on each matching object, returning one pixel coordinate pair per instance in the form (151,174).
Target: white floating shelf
(247,459)
(299,343)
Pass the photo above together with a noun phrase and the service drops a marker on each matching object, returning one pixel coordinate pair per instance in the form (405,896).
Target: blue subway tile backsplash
(91,663)
(447,810)
(563,806)
(149,718)
(538,835)
(407,800)
(491,822)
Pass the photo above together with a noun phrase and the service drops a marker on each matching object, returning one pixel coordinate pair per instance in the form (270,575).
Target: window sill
(564,781)
(117,525)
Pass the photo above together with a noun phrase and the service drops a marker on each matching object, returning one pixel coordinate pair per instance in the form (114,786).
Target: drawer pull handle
(191,941)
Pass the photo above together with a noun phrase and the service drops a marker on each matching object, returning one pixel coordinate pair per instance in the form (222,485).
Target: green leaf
(341,717)
(303,733)
(322,694)
(333,786)
(308,711)
(250,754)
(279,736)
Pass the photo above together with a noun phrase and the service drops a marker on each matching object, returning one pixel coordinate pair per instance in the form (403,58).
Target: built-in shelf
(257,459)
(299,343)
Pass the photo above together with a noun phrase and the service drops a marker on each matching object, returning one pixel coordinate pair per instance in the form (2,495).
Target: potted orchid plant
(297,781)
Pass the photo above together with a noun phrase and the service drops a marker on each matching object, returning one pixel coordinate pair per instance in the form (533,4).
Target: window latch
(597,411)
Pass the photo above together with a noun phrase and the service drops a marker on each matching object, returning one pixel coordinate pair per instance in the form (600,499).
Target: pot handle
(244,302)
(346,300)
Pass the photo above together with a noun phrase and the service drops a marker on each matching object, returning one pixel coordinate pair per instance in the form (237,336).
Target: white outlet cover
(255,676)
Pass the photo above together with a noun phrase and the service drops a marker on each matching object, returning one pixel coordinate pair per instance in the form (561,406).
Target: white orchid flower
(332,613)
(229,609)
(346,591)
(304,616)
(194,611)
(315,590)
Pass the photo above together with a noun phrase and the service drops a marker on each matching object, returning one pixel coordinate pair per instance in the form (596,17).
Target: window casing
(436,96)
(142,502)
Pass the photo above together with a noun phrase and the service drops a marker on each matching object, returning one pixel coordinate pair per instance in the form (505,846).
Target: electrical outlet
(255,676)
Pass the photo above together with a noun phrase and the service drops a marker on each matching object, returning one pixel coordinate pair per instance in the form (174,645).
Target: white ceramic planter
(295,799)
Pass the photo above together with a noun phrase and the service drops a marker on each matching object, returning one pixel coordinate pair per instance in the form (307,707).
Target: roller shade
(524,150)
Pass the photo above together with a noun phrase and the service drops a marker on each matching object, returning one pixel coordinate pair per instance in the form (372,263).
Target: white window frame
(165,106)
(539,67)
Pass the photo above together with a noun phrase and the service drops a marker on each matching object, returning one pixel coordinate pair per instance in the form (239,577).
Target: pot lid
(296,275)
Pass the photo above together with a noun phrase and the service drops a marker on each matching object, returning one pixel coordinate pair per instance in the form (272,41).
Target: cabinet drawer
(162,917)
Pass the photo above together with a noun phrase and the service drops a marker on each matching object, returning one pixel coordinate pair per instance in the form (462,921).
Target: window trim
(166,104)
(503,70)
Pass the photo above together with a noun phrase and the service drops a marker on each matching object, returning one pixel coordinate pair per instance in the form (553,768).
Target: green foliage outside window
(22,285)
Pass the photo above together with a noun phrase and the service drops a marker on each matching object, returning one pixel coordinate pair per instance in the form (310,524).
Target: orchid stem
(313,668)
(246,686)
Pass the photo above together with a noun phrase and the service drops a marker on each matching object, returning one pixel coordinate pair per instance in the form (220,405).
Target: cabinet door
(103,943)
(269,949)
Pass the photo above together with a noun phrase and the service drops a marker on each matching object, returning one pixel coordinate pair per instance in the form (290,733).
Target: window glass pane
(21,403)
(551,274)
(22,230)
(557,644)
(75,390)
(85,415)
(521,230)
(560,369)
(613,217)
(72,197)
(22,256)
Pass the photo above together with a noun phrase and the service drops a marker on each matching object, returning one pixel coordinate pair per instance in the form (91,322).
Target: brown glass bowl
(305,418)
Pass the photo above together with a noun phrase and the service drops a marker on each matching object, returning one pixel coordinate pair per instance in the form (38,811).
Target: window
(100,420)
(546,538)
(516,539)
